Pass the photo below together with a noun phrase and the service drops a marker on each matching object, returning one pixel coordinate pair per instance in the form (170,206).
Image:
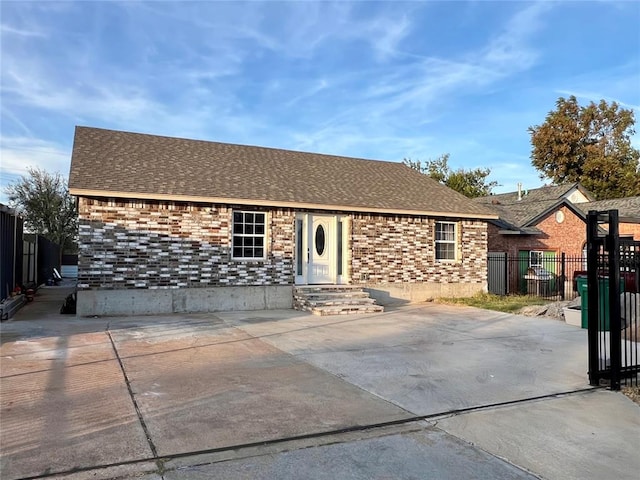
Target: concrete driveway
(419,392)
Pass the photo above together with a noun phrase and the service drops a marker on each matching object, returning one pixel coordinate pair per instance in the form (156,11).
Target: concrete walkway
(420,392)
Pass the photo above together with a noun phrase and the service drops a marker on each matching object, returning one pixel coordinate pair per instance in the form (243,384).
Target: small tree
(470,183)
(590,145)
(48,210)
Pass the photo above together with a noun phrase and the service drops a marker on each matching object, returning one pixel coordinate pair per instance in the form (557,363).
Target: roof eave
(80,192)
(517,232)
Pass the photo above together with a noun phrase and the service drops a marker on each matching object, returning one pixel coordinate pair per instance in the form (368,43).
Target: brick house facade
(568,236)
(147,252)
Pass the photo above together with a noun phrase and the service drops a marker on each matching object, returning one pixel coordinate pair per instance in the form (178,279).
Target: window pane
(535,259)
(298,247)
(320,240)
(248,239)
(445,251)
(445,231)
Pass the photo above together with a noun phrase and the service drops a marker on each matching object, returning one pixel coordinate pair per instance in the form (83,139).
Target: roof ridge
(277,149)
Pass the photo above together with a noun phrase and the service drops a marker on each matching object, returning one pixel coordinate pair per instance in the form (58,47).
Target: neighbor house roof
(628,207)
(108,163)
(520,212)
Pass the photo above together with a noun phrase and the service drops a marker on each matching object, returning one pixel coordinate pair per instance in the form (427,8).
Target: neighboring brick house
(176,225)
(548,219)
(536,227)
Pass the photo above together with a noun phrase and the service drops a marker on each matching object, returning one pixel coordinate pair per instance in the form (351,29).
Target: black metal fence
(613,291)
(40,257)
(552,276)
(11,227)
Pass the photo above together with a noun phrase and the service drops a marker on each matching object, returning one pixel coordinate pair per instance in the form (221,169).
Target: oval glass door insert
(320,240)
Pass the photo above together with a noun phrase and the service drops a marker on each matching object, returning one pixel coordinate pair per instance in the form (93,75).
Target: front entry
(319,249)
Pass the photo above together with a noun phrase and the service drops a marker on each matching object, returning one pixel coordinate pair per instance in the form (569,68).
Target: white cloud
(21,153)
(511,50)
(8,29)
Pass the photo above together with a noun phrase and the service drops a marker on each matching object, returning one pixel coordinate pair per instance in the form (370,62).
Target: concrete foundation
(403,293)
(187,300)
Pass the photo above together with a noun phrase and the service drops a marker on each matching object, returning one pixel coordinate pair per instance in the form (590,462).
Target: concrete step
(334,300)
(328,287)
(346,310)
(340,301)
(329,295)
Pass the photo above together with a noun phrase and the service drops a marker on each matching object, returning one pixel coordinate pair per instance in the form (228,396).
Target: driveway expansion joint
(431,420)
(147,434)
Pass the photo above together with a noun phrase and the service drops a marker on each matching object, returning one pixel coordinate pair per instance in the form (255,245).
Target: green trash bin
(603,289)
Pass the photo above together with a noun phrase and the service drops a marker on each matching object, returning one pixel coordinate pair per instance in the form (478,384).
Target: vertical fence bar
(505,262)
(563,276)
(613,244)
(593,249)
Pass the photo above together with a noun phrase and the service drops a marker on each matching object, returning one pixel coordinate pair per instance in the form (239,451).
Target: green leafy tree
(471,183)
(590,145)
(46,205)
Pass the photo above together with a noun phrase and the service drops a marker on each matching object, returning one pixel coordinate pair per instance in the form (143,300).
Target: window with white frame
(445,240)
(249,235)
(535,259)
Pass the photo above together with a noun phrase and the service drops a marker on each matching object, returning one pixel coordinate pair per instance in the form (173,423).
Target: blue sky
(378,80)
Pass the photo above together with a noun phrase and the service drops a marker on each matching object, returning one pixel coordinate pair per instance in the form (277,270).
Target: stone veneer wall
(389,249)
(183,250)
(128,244)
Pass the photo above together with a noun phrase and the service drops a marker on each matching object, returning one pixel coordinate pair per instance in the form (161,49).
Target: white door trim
(312,266)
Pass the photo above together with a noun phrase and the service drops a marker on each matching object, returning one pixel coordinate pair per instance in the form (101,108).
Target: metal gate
(497,274)
(613,300)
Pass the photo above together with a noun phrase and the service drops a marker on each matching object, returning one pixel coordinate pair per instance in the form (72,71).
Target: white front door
(322,246)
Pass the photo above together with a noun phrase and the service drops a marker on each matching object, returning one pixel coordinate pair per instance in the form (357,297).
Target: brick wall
(128,244)
(155,245)
(630,229)
(568,237)
(388,249)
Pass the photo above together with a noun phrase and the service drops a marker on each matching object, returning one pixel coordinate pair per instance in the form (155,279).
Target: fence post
(593,249)
(613,245)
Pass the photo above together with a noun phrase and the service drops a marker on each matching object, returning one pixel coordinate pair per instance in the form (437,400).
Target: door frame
(303,242)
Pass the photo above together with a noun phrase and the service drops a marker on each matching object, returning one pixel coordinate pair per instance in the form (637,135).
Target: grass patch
(488,301)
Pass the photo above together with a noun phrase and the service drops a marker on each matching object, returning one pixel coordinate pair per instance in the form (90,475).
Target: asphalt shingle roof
(518,214)
(627,207)
(123,164)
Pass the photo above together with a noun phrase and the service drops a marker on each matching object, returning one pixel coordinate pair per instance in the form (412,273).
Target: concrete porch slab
(233,389)
(435,358)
